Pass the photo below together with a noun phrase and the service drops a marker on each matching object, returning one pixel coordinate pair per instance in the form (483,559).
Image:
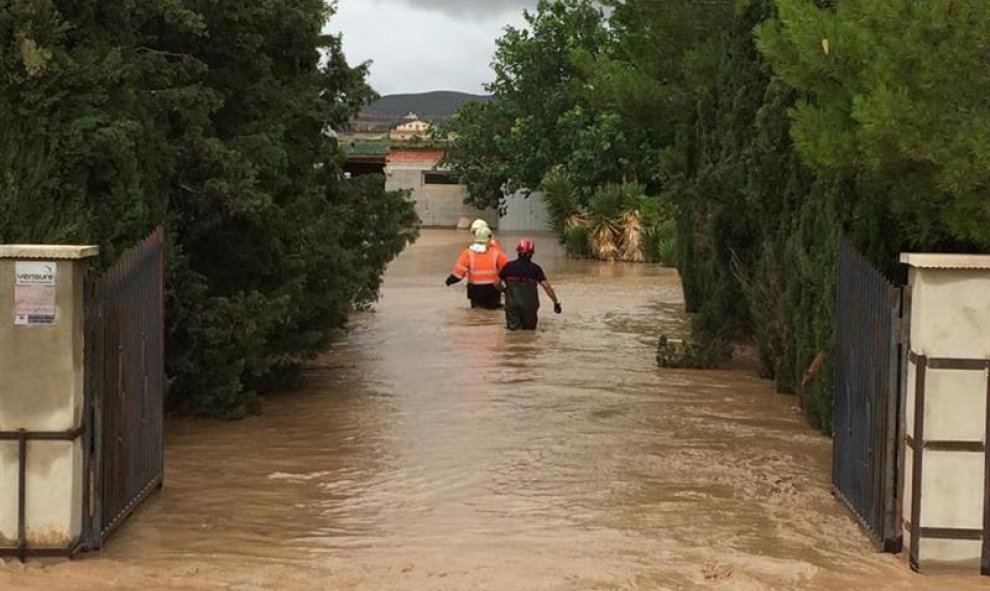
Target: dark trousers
(522,303)
(519,317)
(484,296)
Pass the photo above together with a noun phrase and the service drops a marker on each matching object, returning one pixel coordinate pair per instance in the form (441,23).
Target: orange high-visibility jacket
(480,268)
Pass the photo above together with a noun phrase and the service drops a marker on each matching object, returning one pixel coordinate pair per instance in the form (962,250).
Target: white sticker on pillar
(34,293)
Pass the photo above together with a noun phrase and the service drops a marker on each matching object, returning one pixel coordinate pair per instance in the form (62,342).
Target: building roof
(365,148)
(417,124)
(414,156)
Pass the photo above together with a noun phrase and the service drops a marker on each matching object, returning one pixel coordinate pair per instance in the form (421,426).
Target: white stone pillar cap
(48,251)
(946,261)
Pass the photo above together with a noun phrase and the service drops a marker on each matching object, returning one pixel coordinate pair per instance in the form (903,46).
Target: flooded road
(432,450)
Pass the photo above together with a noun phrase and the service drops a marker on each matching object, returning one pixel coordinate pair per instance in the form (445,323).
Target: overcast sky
(421,45)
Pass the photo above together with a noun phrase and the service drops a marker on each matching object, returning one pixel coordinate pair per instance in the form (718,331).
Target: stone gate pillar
(946,506)
(42,398)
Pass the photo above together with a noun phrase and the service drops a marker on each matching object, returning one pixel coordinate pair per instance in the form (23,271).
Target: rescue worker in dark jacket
(519,279)
(480,264)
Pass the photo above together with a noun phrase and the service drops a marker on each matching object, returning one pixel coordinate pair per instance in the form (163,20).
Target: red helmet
(526,246)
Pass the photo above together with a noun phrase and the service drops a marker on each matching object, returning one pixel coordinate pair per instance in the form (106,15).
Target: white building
(413,128)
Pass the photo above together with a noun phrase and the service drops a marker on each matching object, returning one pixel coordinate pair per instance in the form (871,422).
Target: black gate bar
(866,462)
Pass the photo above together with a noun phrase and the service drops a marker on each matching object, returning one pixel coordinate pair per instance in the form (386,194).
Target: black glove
(556,308)
(452,279)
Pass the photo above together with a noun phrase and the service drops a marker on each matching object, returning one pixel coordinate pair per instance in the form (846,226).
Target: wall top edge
(946,261)
(48,251)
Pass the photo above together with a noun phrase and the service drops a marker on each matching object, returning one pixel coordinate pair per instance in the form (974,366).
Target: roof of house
(412,124)
(365,148)
(414,156)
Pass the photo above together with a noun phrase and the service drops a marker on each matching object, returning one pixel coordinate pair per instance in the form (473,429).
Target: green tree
(756,227)
(210,120)
(475,136)
(895,90)
(664,54)
(538,103)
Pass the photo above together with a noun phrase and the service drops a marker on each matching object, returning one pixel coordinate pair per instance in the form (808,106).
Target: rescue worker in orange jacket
(480,265)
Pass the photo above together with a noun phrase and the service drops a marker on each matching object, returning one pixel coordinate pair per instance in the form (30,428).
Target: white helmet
(482,235)
(478,224)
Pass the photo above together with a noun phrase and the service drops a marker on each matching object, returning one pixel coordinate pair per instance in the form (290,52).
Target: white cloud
(435,45)
(473,9)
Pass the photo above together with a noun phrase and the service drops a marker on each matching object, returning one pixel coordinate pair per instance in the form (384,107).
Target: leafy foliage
(756,228)
(539,116)
(894,90)
(766,128)
(211,120)
(619,223)
(560,197)
(708,354)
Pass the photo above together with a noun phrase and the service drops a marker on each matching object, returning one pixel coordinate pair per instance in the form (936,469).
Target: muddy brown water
(432,450)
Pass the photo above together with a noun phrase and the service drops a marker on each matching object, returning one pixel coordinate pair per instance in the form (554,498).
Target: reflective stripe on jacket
(480,268)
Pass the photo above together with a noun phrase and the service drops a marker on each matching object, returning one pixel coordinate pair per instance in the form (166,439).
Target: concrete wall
(41,389)
(945,463)
(524,214)
(437,205)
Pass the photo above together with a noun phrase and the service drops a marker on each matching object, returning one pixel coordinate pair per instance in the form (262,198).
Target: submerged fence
(865,463)
(125,375)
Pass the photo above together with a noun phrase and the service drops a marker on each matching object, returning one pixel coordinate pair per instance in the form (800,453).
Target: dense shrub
(768,128)
(209,119)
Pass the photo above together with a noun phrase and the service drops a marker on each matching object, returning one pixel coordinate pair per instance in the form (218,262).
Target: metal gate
(866,467)
(125,378)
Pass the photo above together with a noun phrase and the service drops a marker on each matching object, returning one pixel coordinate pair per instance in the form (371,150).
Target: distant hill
(431,106)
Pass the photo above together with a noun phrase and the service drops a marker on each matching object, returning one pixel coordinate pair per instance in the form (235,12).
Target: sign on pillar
(34,292)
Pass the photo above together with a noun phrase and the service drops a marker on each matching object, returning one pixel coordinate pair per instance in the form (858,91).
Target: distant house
(413,128)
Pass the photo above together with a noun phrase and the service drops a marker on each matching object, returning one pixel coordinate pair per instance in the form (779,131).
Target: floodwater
(431,450)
